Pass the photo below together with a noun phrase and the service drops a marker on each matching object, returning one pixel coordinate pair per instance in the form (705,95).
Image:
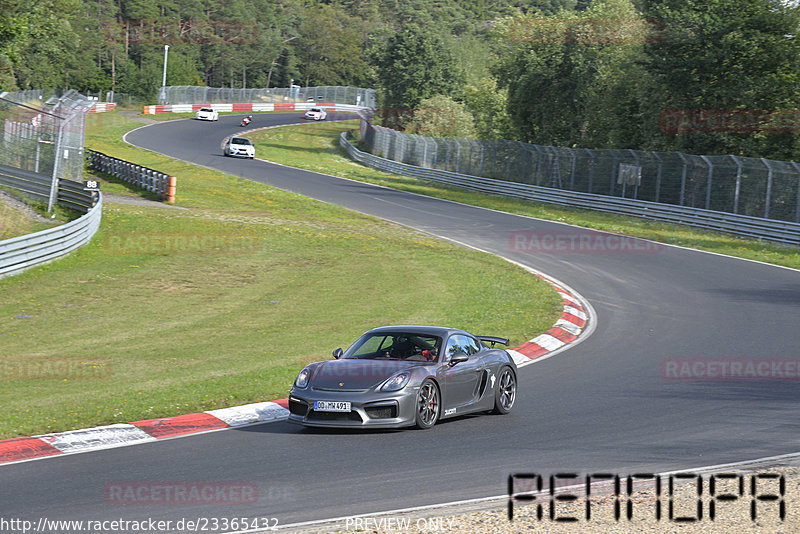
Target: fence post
(555,169)
(525,152)
(658,175)
(797,212)
(738,186)
(636,185)
(591,169)
(56,166)
(708,184)
(613,171)
(683,176)
(769,187)
(572,170)
(538,162)
(458,154)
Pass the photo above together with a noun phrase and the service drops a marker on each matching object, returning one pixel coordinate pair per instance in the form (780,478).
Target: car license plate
(331,406)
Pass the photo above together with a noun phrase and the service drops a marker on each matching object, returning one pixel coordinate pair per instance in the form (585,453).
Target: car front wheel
(506,392)
(429,404)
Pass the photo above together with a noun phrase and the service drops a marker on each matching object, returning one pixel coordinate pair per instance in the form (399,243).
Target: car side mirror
(337,353)
(458,358)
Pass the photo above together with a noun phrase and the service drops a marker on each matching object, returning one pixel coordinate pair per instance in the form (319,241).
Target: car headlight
(396,382)
(302,379)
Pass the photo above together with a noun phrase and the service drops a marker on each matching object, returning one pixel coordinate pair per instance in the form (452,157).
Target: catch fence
(44,136)
(185,94)
(755,187)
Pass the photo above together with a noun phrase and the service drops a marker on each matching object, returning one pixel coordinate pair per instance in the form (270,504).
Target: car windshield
(206,109)
(395,346)
(315,110)
(240,141)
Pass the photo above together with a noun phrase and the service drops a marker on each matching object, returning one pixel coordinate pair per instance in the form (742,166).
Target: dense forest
(705,77)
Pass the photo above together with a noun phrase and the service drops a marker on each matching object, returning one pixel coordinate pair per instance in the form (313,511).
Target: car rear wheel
(506,392)
(428,405)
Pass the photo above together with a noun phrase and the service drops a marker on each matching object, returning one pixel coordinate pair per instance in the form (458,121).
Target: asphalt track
(600,406)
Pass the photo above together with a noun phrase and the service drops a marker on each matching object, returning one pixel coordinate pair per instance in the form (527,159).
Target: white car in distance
(239,146)
(207,114)
(317,114)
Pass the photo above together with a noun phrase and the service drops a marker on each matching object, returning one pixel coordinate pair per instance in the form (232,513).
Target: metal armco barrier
(37,186)
(768,229)
(20,253)
(148,179)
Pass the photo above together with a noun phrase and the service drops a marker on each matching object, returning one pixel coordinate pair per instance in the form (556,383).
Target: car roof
(439,331)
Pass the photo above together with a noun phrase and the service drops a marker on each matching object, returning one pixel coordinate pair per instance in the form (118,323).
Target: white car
(206,114)
(317,114)
(239,146)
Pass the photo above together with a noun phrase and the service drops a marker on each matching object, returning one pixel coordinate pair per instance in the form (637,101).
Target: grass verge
(169,311)
(316,147)
(16,219)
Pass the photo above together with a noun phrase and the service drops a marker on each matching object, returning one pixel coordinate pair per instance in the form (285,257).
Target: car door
(461,379)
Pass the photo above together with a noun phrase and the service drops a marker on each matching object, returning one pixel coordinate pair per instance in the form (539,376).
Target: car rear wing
(494,340)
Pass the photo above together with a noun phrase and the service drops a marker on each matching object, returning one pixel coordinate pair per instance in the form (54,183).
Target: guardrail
(144,177)
(20,253)
(70,194)
(768,229)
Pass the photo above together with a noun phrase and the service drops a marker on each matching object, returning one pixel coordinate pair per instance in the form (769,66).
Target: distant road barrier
(244,108)
(143,177)
(769,229)
(20,253)
(102,107)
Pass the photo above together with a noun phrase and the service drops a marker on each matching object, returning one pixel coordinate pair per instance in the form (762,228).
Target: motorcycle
(247,120)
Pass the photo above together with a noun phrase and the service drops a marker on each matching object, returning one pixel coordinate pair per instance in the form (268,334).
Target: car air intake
(297,407)
(381,412)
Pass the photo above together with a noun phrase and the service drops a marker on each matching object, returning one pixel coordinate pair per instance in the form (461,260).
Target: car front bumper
(367,410)
(241,152)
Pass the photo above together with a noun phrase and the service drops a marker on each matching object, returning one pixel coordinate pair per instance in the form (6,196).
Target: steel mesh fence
(45,137)
(186,94)
(756,187)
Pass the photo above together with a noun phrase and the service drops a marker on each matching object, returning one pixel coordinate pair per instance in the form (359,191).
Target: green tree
(572,77)
(331,47)
(441,116)
(416,65)
(722,55)
(488,105)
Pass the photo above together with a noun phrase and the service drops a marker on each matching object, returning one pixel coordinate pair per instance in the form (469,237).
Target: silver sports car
(397,376)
